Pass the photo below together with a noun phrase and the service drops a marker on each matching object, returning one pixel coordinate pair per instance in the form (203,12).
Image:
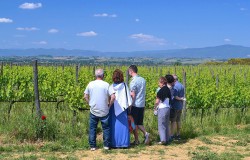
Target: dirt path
(202,146)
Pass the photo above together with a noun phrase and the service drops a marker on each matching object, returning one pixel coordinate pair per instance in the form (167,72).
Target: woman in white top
(120,100)
(162,104)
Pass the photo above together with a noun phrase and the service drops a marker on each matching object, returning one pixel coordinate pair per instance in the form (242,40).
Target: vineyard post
(234,79)
(77,73)
(212,72)
(36,90)
(127,77)
(93,70)
(74,112)
(184,102)
(1,68)
(161,72)
(245,77)
(175,70)
(217,81)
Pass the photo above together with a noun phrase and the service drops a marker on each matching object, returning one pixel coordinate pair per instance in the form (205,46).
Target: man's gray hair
(99,73)
(175,77)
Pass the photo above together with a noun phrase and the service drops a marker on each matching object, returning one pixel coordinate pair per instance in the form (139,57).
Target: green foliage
(241,61)
(202,90)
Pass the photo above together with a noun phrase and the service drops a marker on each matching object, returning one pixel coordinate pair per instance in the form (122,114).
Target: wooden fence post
(234,79)
(36,90)
(74,112)
(77,73)
(127,77)
(93,70)
(1,72)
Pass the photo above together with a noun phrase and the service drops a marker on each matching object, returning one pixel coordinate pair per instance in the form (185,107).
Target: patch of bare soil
(176,151)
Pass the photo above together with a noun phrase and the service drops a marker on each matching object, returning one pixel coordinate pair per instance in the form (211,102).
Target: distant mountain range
(217,52)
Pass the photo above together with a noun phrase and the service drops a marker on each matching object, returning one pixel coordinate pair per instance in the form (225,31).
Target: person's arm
(170,97)
(157,102)
(86,97)
(133,89)
(112,99)
(86,94)
(132,94)
(179,98)
(176,96)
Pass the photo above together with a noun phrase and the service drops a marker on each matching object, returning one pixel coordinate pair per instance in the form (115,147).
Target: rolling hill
(217,52)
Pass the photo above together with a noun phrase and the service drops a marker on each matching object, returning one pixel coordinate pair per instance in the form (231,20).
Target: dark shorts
(175,115)
(138,114)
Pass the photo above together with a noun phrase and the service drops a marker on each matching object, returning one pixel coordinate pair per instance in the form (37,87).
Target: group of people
(120,108)
(168,107)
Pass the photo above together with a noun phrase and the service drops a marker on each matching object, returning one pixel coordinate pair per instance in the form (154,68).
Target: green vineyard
(218,100)
(206,86)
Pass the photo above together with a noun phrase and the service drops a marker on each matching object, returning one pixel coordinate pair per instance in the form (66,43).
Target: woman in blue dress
(119,103)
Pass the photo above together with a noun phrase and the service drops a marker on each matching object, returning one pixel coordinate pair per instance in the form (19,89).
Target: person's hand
(184,99)
(129,107)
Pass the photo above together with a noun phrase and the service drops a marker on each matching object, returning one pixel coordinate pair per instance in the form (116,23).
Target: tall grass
(63,134)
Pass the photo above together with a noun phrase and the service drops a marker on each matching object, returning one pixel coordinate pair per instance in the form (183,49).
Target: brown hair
(118,76)
(133,68)
(163,80)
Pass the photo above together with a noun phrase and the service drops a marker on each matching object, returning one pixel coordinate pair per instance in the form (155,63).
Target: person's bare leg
(135,131)
(178,128)
(173,126)
(141,127)
(146,134)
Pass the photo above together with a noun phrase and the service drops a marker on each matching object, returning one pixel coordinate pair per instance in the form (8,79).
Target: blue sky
(128,25)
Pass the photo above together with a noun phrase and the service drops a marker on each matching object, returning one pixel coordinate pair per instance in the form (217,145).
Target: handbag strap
(126,91)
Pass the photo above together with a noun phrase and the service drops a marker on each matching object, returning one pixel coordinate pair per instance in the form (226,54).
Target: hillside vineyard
(206,86)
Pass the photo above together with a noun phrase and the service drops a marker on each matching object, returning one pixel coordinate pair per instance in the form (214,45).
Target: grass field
(225,135)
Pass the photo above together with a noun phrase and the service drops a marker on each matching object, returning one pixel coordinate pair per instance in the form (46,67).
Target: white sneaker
(161,143)
(106,148)
(93,149)
(146,138)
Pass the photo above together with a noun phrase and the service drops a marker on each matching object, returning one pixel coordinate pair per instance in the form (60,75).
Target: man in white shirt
(96,94)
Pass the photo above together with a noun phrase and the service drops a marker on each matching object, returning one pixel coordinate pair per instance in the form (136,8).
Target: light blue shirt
(138,85)
(178,91)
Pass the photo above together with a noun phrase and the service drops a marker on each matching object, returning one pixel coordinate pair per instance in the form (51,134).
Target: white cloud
(53,30)
(5,20)
(113,15)
(243,9)
(27,29)
(30,5)
(105,15)
(137,20)
(144,38)
(227,40)
(41,43)
(87,34)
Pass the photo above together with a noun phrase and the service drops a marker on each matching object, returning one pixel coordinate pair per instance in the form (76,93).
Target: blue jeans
(93,122)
